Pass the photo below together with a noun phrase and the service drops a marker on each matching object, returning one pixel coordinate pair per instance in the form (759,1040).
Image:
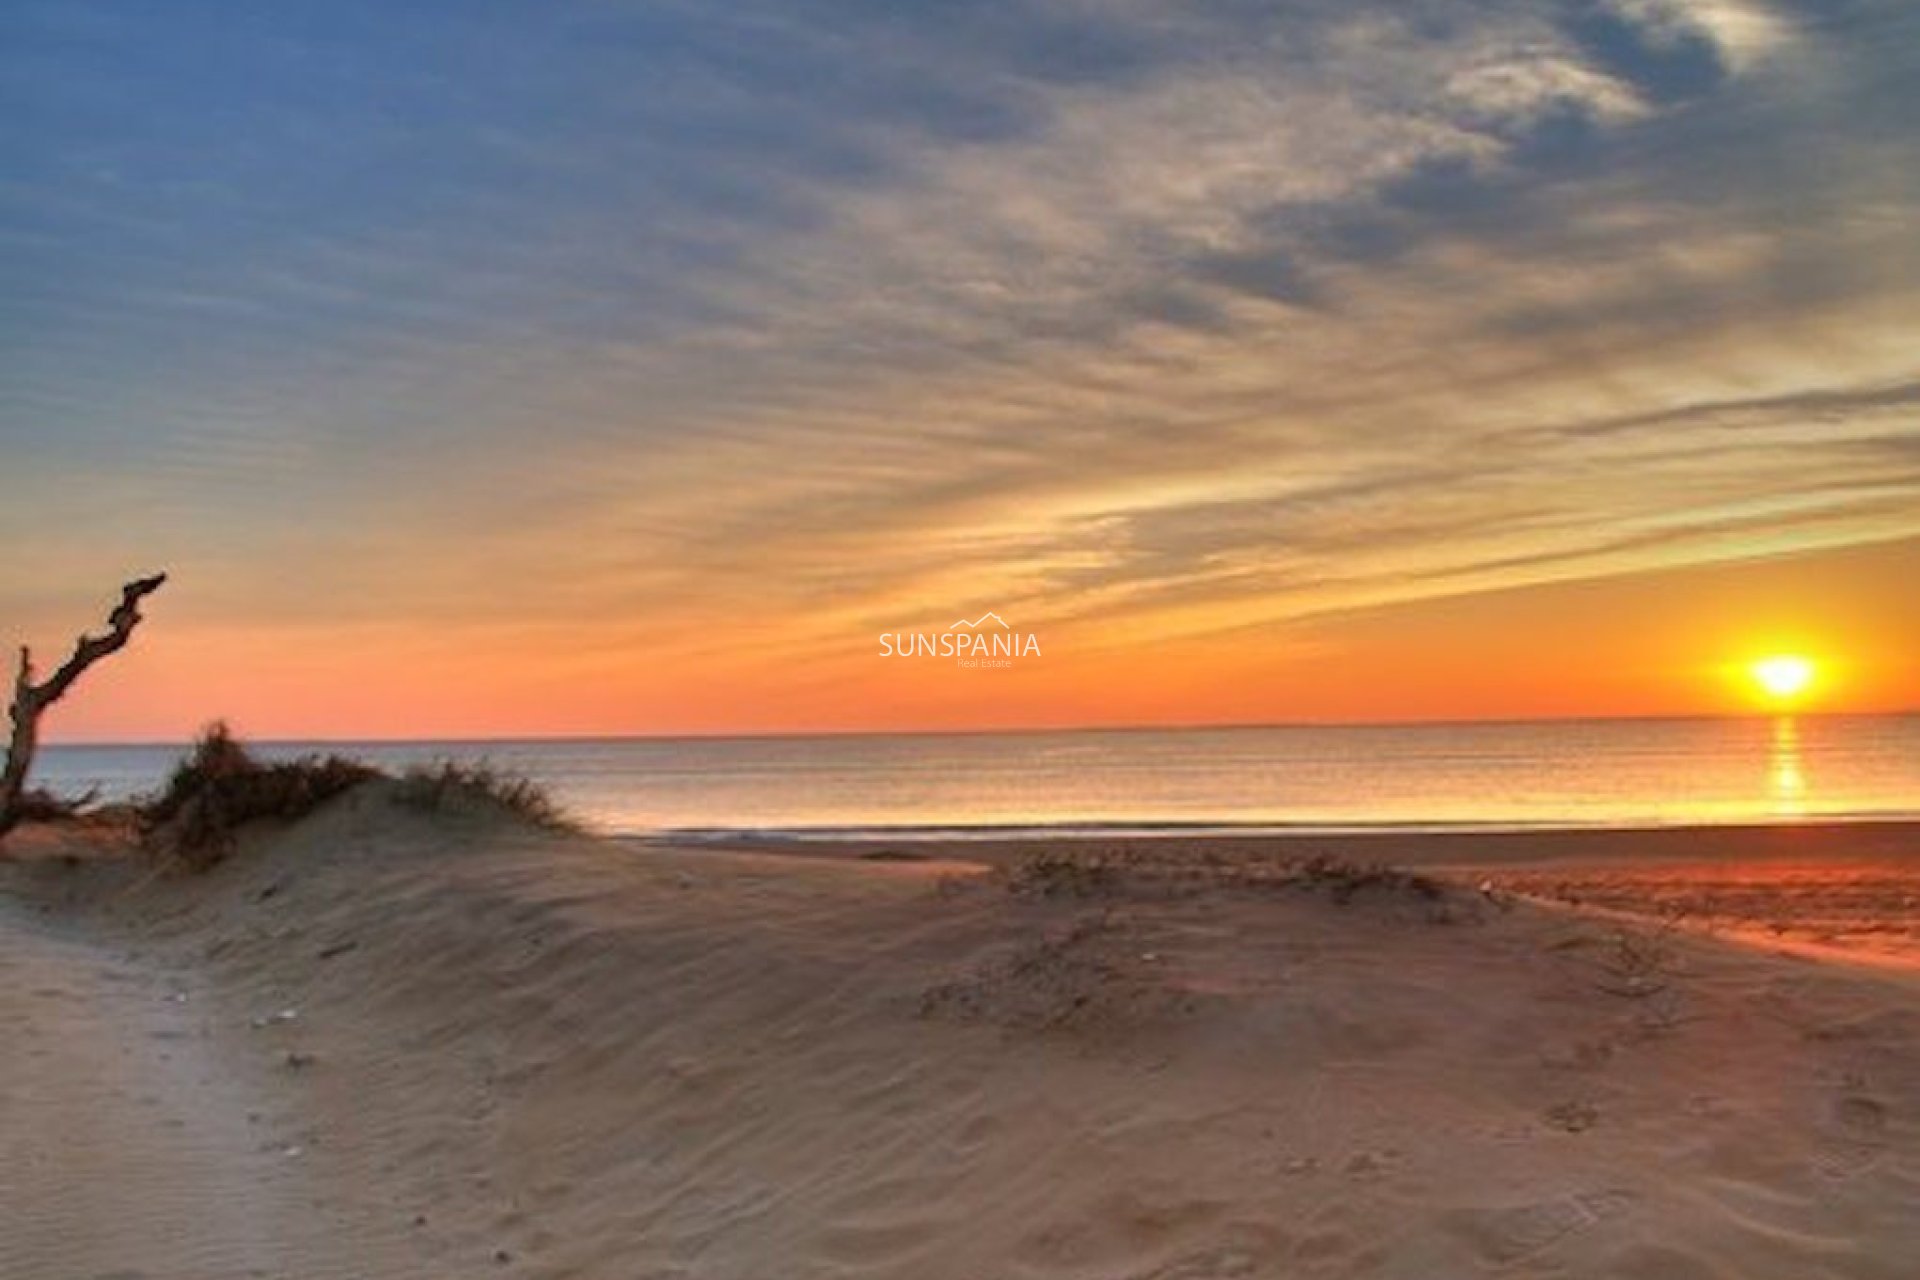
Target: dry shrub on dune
(452,787)
(42,805)
(221,787)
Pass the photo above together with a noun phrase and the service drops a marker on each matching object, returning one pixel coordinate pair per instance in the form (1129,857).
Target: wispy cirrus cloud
(1200,316)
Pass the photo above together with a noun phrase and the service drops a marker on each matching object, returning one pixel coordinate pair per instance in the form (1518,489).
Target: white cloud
(1191,333)
(1745,32)
(1517,87)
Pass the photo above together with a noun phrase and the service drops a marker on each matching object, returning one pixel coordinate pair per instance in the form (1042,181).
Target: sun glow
(1784,677)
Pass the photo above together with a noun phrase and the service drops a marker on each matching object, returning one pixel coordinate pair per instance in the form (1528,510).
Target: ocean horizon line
(1442,722)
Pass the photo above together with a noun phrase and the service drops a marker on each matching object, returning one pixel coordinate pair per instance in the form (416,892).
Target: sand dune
(413,1046)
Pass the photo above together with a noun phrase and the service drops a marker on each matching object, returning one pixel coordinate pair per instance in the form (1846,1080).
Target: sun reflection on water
(1786,775)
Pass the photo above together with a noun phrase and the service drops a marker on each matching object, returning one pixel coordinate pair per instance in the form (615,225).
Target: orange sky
(477,373)
(1648,643)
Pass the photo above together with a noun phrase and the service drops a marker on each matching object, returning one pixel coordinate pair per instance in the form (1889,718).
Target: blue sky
(1173,318)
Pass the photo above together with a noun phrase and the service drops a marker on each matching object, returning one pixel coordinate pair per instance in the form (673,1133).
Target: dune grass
(449,786)
(42,805)
(220,788)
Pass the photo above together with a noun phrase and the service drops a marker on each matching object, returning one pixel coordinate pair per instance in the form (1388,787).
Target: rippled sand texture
(388,1045)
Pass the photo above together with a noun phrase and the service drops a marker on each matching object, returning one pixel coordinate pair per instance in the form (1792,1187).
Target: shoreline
(1846,892)
(1874,840)
(1309,780)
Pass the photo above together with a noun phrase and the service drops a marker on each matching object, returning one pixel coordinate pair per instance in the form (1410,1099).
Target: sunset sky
(487,369)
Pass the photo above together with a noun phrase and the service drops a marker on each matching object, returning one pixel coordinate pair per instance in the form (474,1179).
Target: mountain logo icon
(986,641)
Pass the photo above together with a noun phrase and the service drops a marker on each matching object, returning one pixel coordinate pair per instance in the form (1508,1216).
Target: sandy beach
(384,1043)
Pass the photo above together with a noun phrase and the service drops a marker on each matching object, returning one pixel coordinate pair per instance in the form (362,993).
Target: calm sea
(1580,773)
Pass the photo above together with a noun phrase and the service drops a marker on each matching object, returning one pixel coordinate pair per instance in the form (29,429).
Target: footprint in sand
(1573,1117)
(1515,1232)
(1241,1249)
(1862,1121)
(1860,1114)
(1367,1166)
(1838,1161)
(1213,1264)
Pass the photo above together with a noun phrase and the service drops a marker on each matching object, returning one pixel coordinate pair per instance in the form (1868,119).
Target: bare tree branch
(31,700)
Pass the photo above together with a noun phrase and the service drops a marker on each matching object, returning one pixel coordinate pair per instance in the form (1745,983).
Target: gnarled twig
(31,699)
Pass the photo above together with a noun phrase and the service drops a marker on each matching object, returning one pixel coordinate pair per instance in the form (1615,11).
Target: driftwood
(31,700)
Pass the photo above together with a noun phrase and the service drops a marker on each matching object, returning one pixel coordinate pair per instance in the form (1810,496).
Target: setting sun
(1783,677)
